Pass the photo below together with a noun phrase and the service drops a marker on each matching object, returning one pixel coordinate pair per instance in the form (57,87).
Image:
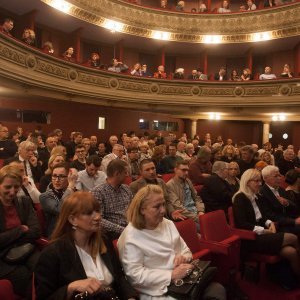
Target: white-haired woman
(249,215)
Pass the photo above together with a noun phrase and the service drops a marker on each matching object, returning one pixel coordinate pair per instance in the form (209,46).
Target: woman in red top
(18,226)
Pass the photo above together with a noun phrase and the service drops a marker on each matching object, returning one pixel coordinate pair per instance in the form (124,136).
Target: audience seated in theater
(117,66)
(268,74)
(159,152)
(193,75)
(180,6)
(242,8)
(287,162)
(101,152)
(137,70)
(26,154)
(179,73)
(216,153)
(80,158)
(249,214)
(28,37)
(276,203)
(163,3)
(87,145)
(76,139)
(260,165)
(224,8)
(18,225)
(234,76)
(246,75)
(145,72)
(232,178)
(79,259)
(152,251)
(201,167)
(8,148)
(91,177)
(117,153)
(63,182)
(149,176)
(228,153)
(133,163)
(247,160)
(183,196)
(7,26)
(28,188)
(202,7)
(48,47)
(44,153)
(94,145)
(68,55)
(114,198)
(95,62)
(160,73)
(190,151)
(221,75)
(216,192)
(292,178)
(251,5)
(181,147)
(54,160)
(144,151)
(168,162)
(113,139)
(267,157)
(286,73)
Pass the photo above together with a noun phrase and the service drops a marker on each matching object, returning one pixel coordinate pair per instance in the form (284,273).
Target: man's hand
(177,215)
(283,201)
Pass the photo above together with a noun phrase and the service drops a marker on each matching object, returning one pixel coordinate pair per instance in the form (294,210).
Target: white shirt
(96,270)
(87,183)
(148,257)
(267,76)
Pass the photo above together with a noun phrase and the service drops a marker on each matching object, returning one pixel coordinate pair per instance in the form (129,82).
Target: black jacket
(60,264)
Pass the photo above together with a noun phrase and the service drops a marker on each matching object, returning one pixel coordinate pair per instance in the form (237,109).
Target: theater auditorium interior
(208,73)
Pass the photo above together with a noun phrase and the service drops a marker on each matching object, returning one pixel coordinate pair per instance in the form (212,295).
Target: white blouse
(92,270)
(148,257)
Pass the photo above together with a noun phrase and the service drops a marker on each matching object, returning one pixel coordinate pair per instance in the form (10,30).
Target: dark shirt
(168,163)
(8,148)
(285,165)
(244,165)
(77,165)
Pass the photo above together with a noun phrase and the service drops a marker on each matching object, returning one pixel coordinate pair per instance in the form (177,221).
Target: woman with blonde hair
(228,153)
(59,150)
(54,160)
(151,250)
(78,259)
(249,214)
(232,179)
(28,37)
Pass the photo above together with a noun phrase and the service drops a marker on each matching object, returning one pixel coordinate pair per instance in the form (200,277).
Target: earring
(74,226)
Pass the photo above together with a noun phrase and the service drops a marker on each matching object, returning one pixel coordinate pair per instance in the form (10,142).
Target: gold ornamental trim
(265,24)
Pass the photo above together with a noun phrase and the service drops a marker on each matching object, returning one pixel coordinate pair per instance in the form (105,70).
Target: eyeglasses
(184,170)
(80,151)
(59,177)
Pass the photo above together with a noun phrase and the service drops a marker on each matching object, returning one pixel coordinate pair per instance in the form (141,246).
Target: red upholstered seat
(6,291)
(167,177)
(250,235)
(127,180)
(41,217)
(187,230)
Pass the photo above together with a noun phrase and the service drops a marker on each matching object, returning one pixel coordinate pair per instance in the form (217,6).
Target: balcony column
(162,57)
(30,19)
(266,132)
(250,59)
(77,43)
(120,46)
(203,61)
(193,128)
(297,60)
(208,5)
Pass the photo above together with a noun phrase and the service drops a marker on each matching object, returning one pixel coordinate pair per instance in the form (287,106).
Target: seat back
(187,230)
(214,227)
(6,290)
(41,217)
(167,177)
(231,217)
(127,180)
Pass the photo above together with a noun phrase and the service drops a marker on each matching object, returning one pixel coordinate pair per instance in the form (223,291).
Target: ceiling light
(279,117)
(113,26)
(214,116)
(212,39)
(261,36)
(161,35)
(61,5)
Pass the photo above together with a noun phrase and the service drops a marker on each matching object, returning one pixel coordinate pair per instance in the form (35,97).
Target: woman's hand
(180,259)
(72,178)
(272,227)
(24,228)
(181,271)
(91,285)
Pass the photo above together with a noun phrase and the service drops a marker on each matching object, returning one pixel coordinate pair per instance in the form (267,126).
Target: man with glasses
(80,161)
(63,182)
(183,195)
(276,204)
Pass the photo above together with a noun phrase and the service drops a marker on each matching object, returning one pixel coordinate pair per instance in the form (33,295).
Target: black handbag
(18,254)
(192,286)
(106,293)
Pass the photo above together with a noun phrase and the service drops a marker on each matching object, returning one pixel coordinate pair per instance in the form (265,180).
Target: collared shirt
(274,191)
(189,202)
(258,229)
(87,183)
(113,205)
(28,171)
(106,160)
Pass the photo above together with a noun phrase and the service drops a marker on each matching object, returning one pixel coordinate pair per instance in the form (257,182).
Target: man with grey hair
(216,192)
(26,154)
(117,153)
(275,202)
(287,162)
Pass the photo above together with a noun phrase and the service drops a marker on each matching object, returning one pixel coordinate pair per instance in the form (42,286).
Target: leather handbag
(106,293)
(19,253)
(192,286)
